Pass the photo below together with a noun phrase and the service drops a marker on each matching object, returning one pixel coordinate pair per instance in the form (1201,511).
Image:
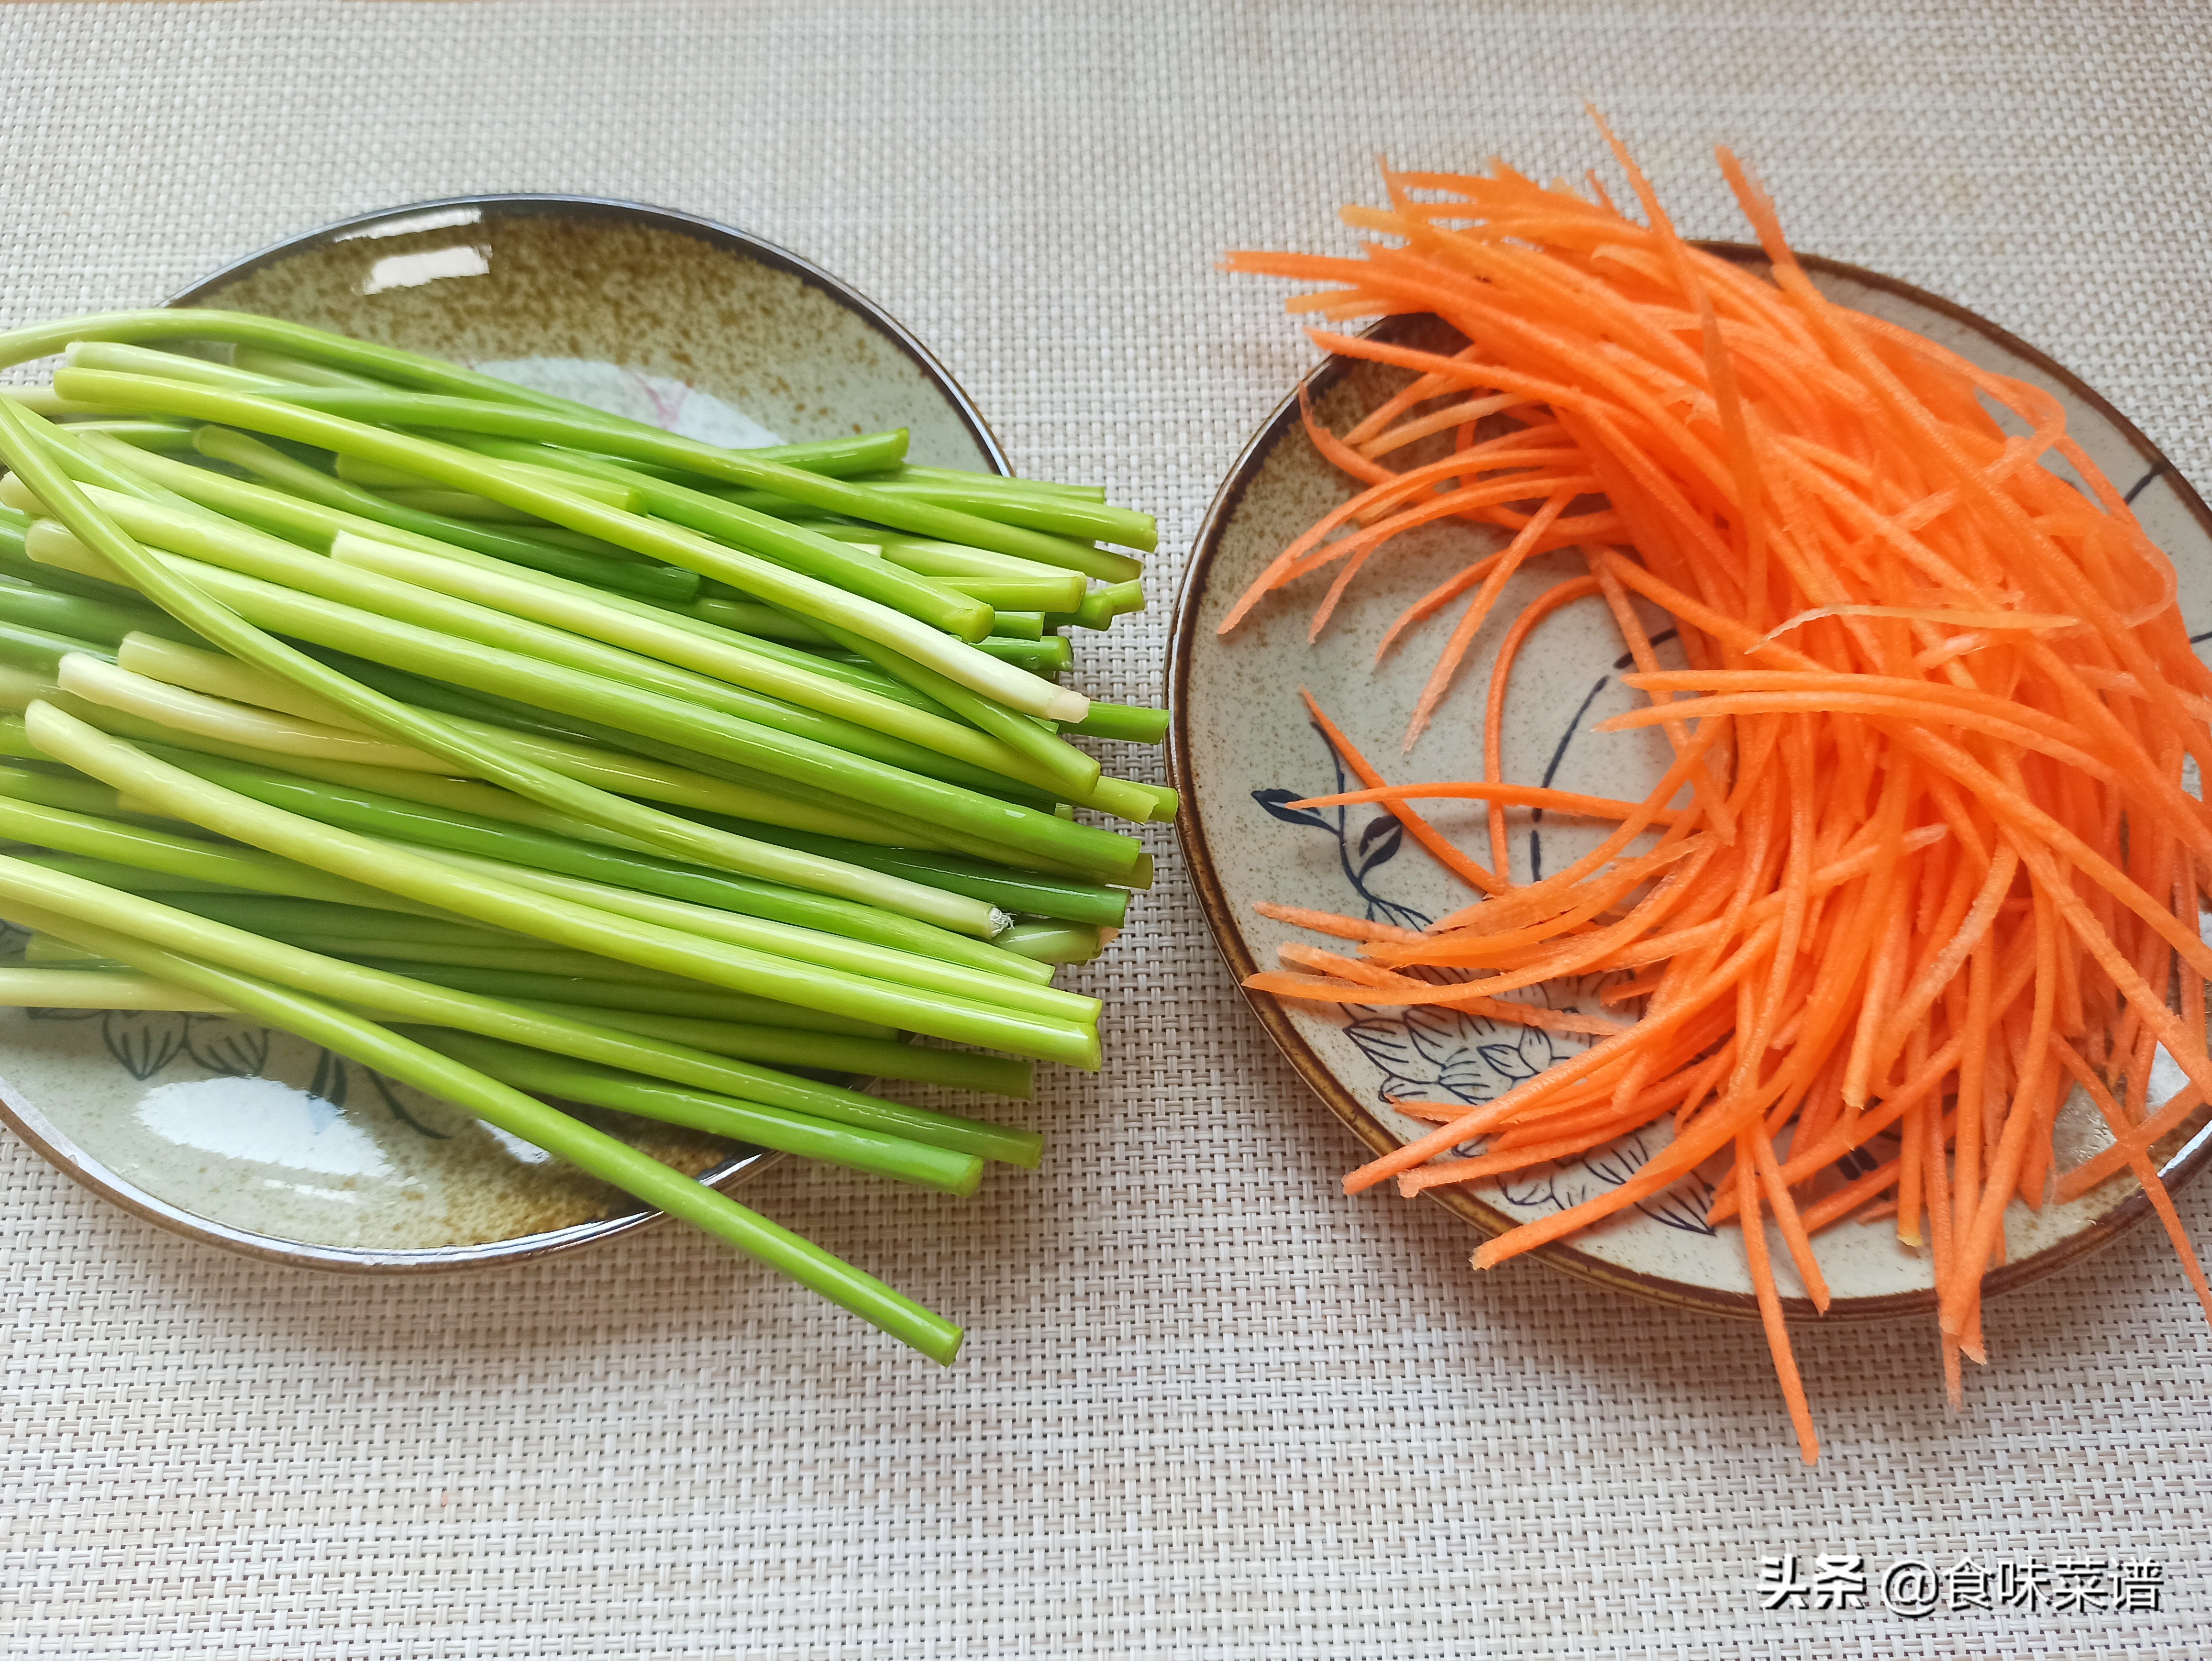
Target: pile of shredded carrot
(1927,857)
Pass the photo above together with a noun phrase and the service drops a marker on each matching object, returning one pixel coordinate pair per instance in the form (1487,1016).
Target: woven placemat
(1209,1407)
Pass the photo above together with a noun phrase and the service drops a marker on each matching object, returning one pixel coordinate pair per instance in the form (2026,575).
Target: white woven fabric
(1209,1407)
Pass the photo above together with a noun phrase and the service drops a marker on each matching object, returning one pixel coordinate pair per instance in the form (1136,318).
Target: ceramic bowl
(1243,749)
(264,1144)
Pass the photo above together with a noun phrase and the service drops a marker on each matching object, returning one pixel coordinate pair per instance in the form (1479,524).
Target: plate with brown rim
(1242,751)
(262,1143)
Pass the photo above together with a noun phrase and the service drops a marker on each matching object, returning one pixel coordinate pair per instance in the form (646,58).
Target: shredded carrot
(1930,851)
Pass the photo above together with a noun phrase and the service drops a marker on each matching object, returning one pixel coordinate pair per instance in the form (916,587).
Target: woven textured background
(1208,1408)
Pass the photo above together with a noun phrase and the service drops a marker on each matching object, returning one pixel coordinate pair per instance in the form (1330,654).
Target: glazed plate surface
(267,1145)
(1244,750)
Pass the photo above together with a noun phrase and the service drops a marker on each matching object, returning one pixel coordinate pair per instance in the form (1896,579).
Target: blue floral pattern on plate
(146,1042)
(1428,1053)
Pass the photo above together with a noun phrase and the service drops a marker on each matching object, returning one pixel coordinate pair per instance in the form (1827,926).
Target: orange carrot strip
(2153,1189)
(1493,717)
(1329,922)
(1770,1307)
(1511,795)
(1464,631)
(2138,1140)
(1449,857)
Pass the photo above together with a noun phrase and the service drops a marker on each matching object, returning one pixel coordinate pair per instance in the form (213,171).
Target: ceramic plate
(267,1145)
(1242,749)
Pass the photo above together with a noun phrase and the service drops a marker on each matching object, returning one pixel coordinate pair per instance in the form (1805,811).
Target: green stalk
(1010,890)
(1002,594)
(437,622)
(313,505)
(585,991)
(285,916)
(574,965)
(196,751)
(1050,655)
(86,457)
(1084,559)
(1056,941)
(719,1115)
(354,947)
(189,603)
(304,355)
(457,819)
(53,951)
(278,366)
(1067,766)
(750,617)
(543,960)
(908,832)
(51,785)
(16,564)
(379,364)
(28,813)
(1051,589)
(49,949)
(1167,802)
(646,632)
(488,951)
(294,351)
(541,917)
(1012,484)
(174,708)
(178,366)
(716,618)
(826,558)
(615,493)
(162,437)
(361,584)
(429,826)
(28,572)
(785,806)
(1128,723)
(29,893)
(84,988)
(600,437)
(1100,608)
(128,878)
(872,1058)
(485,801)
(835,457)
(640,646)
(38,651)
(603,1156)
(19,572)
(1015,989)
(45,402)
(556,687)
(808,596)
(515,594)
(198,670)
(952,559)
(988,497)
(99,622)
(224,679)
(461,505)
(834,939)
(782,803)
